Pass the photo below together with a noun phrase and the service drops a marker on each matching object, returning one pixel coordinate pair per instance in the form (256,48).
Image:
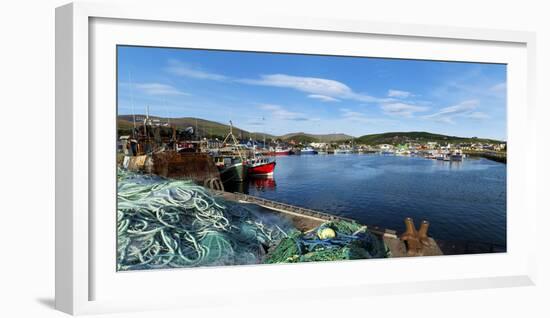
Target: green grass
(395,138)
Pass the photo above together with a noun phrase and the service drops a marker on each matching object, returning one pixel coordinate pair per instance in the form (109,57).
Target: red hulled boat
(279,151)
(261,166)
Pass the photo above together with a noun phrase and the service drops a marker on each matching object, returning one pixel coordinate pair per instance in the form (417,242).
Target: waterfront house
(385,147)
(432,144)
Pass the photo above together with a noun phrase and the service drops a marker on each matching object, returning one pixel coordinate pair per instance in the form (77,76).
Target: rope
(166,223)
(351,241)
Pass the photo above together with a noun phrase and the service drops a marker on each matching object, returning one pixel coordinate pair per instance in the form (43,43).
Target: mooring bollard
(416,240)
(423,233)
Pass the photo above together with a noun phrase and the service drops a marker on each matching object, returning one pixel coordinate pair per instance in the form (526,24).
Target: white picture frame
(78,67)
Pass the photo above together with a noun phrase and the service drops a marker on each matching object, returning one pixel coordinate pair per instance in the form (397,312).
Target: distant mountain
(395,138)
(305,137)
(202,126)
(215,129)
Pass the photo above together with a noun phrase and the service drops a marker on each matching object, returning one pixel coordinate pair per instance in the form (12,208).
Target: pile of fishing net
(164,223)
(331,241)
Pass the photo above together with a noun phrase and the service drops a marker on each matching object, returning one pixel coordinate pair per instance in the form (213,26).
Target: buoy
(326,233)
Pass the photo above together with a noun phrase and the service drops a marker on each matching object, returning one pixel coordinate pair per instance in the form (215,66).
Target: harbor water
(464,201)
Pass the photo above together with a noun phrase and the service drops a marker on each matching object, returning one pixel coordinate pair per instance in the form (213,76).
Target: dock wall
(300,212)
(198,167)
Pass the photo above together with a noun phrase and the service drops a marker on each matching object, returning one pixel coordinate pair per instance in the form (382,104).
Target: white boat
(308,151)
(341,151)
(457,156)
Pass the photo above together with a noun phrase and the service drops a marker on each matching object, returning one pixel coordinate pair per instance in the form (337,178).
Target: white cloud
(348,113)
(279,112)
(447,114)
(500,87)
(399,94)
(477,115)
(402,109)
(323,98)
(358,117)
(255,123)
(178,68)
(326,90)
(313,86)
(158,89)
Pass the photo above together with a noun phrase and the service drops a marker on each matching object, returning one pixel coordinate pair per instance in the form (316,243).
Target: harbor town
(244,158)
(238,156)
(225,166)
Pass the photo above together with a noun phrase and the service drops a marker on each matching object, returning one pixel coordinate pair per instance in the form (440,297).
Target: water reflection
(241,187)
(448,165)
(263,183)
(258,184)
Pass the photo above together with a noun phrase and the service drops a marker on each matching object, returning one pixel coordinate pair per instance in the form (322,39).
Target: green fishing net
(351,241)
(165,223)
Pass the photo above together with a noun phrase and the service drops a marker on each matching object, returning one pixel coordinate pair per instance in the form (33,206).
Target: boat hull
(279,153)
(282,153)
(234,173)
(265,169)
(308,152)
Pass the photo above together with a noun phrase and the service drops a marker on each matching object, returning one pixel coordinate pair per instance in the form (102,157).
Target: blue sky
(283,93)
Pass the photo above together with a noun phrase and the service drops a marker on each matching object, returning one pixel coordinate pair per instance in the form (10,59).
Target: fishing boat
(261,166)
(295,151)
(456,156)
(341,151)
(232,169)
(308,151)
(280,151)
(232,166)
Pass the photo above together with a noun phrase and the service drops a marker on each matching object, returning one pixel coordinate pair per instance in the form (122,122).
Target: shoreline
(487,155)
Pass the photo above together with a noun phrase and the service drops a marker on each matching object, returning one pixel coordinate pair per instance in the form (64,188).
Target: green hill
(395,138)
(307,138)
(214,129)
(202,126)
(299,138)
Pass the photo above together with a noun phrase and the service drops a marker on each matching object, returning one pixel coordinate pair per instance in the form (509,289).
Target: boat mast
(145,126)
(263,119)
(166,112)
(132,103)
(197,129)
(235,143)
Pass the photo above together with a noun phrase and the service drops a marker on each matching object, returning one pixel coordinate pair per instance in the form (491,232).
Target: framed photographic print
(235,155)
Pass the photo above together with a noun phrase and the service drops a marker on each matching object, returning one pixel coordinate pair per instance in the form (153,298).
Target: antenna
(263,128)
(132,102)
(197,128)
(166,112)
(146,120)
